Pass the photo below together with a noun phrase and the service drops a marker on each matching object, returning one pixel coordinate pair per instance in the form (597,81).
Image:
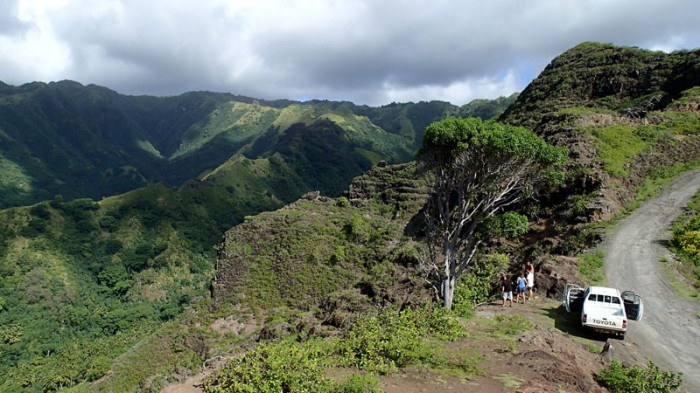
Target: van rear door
(634,308)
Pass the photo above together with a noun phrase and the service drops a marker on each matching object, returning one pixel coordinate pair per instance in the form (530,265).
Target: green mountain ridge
(63,138)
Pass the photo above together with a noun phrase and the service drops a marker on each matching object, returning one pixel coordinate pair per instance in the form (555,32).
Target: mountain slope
(63,138)
(629,81)
(631,119)
(89,141)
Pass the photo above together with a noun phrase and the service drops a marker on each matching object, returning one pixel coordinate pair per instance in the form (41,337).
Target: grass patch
(592,267)
(510,381)
(617,144)
(658,178)
(460,363)
(679,280)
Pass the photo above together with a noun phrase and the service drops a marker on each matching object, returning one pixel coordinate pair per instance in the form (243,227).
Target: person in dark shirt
(507,290)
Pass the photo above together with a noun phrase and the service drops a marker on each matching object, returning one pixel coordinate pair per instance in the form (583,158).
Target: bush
(383,343)
(509,224)
(689,242)
(343,202)
(620,379)
(475,285)
(396,339)
(285,366)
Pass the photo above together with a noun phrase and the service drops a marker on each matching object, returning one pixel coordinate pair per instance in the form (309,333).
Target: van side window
(616,300)
(608,298)
(591,296)
(600,298)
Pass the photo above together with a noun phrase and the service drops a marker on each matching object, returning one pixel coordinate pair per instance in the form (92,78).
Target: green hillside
(603,77)
(138,289)
(83,281)
(63,138)
(67,139)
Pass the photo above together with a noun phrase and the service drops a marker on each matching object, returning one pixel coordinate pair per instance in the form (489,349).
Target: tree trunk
(448,291)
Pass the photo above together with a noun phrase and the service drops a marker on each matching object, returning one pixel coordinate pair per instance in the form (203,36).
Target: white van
(603,309)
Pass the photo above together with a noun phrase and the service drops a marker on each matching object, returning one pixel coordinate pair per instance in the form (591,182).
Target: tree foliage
(476,169)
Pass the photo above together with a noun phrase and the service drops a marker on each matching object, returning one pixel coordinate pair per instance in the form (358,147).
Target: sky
(372,52)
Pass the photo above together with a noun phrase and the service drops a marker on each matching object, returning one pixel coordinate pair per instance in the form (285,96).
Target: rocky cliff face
(630,81)
(598,100)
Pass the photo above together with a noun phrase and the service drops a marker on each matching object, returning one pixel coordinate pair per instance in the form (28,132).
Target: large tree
(476,169)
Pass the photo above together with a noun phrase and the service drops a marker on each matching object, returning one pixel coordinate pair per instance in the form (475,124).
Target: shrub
(438,322)
(383,343)
(343,202)
(358,384)
(396,338)
(357,229)
(509,224)
(690,242)
(620,379)
(475,285)
(285,366)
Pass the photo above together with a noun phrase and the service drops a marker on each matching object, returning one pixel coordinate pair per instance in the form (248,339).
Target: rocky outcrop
(552,275)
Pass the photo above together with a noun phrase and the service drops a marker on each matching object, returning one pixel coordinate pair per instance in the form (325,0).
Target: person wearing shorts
(521,287)
(530,279)
(507,290)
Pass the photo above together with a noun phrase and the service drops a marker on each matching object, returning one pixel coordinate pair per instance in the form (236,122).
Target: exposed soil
(542,360)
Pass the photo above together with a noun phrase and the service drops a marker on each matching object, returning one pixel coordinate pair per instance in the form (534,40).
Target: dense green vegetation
(686,243)
(99,277)
(78,141)
(375,344)
(620,379)
(628,81)
(83,281)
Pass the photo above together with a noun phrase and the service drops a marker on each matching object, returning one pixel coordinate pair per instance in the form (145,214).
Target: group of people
(523,285)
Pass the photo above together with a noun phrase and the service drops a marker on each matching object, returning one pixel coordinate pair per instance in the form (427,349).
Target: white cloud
(364,51)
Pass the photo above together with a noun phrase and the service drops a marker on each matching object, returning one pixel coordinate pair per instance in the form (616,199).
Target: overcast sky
(366,51)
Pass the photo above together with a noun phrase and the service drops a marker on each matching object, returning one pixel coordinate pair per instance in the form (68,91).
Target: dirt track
(669,332)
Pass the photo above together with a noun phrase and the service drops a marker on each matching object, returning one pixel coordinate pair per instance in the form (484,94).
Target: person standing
(507,290)
(520,287)
(530,271)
